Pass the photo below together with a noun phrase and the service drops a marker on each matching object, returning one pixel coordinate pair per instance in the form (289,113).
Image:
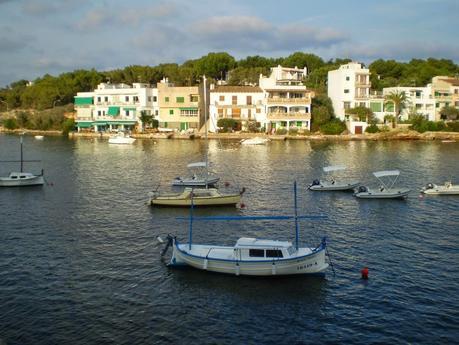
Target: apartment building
(286,99)
(179,106)
(349,87)
(242,103)
(445,91)
(115,106)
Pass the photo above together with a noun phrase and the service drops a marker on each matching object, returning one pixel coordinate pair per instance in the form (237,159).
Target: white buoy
(159,239)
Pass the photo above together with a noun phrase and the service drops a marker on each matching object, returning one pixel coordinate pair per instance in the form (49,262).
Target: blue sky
(55,36)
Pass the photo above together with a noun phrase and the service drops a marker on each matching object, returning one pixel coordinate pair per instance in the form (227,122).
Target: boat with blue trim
(250,256)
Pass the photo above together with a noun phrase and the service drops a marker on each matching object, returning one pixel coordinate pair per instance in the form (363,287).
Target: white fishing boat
(446,189)
(121,138)
(200,197)
(331,183)
(200,178)
(254,141)
(39,137)
(250,256)
(386,190)
(21,178)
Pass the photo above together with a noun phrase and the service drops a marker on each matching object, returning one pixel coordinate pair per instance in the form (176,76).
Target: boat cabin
(20,175)
(254,249)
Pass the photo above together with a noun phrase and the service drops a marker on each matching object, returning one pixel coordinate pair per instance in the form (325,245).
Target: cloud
(48,7)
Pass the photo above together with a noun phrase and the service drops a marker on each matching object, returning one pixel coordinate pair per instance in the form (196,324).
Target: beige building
(179,106)
(445,91)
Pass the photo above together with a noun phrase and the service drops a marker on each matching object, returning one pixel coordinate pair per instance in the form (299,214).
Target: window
(99,113)
(234,100)
(346,90)
(180,99)
(155,99)
(194,98)
(156,112)
(220,112)
(126,98)
(258,110)
(221,98)
(171,111)
(347,105)
(106,99)
(249,100)
(99,99)
(418,94)
(136,99)
(348,78)
(149,98)
(166,99)
(274,253)
(249,113)
(257,253)
(127,113)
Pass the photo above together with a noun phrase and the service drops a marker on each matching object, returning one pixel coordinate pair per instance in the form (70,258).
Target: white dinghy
(121,138)
(446,189)
(21,178)
(254,141)
(330,183)
(250,256)
(386,190)
(200,178)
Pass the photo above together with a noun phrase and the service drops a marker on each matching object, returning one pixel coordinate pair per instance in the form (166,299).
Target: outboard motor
(169,242)
(429,186)
(315,182)
(362,189)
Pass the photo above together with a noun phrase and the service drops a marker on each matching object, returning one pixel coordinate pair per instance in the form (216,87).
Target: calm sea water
(80,263)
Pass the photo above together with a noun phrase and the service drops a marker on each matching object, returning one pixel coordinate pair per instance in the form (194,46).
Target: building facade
(349,87)
(179,106)
(445,91)
(286,99)
(241,103)
(115,106)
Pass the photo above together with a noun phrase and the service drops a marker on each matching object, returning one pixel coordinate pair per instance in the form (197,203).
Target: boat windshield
(291,250)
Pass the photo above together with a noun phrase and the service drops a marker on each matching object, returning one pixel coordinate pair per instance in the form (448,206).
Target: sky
(56,36)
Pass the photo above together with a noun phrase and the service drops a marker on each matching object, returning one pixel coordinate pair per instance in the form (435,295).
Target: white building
(115,106)
(242,103)
(419,99)
(349,87)
(287,101)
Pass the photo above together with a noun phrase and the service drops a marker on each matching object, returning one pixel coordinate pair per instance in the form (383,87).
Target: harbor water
(80,259)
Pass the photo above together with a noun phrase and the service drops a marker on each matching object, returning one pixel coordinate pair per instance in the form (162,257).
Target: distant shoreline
(385,136)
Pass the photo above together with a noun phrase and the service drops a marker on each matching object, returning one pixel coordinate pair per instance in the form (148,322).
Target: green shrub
(293,131)
(421,125)
(334,126)
(10,123)
(227,125)
(67,126)
(154,123)
(453,126)
(372,129)
(281,131)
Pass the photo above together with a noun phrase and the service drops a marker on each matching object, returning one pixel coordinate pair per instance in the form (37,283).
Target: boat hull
(441,190)
(313,263)
(227,200)
(386,194)
(338,186)
(29,181)
(121,141)
(195,182)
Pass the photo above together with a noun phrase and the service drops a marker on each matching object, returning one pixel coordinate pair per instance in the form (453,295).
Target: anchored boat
(447,189)
(198,196)
(250,256)
(121,138)
(21,179)
(386,190)
(201,179)
(330,183)
(254,141)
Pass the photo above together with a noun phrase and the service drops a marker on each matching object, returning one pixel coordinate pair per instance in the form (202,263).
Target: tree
(215,65)
(399,100)
(301,60)
(449,113)
(363,113)
(145,119)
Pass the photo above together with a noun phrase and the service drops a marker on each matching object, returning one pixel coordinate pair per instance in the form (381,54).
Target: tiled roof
(236,89)
(452,81)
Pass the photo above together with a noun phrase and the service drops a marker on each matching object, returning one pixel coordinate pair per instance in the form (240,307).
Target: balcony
(361,96)
(289,116)
(362,83)
(285,100)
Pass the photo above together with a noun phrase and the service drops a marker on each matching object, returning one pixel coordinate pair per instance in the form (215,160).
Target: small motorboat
(331,184)
(254,141)
(201,178)
(250,256)
(446,189)
(121,138)
(386,190)
(197,196)
(39,137)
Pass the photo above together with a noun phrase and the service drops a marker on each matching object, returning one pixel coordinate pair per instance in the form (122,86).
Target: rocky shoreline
(384,136)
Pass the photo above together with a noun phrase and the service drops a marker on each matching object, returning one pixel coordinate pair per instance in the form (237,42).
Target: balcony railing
(289,100)
(289,116)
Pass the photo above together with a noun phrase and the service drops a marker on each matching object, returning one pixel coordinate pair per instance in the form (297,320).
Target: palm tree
(399,99)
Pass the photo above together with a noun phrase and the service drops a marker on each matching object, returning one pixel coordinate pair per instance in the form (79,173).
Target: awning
(130,109)
(113,111)
(195,108)
(83,100)
(84,124)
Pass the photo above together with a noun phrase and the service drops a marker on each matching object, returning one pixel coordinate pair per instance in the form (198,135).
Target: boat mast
(205,128)
(22,159)
(296,216)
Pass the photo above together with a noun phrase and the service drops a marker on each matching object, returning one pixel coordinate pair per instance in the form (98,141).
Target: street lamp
(6,105)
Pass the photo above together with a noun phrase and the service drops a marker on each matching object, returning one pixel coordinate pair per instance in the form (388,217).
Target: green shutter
(299,123)
(83,100)
(113,111)
(171,111)
(166,99)
(376,106)
(180,99)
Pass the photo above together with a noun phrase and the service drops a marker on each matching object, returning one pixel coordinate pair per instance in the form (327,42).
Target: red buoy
(242,205)
(364,272)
